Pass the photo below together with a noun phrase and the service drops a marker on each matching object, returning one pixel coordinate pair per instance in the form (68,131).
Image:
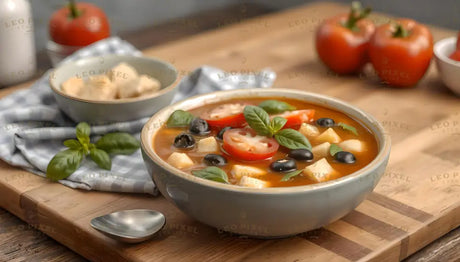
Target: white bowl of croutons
(113,88)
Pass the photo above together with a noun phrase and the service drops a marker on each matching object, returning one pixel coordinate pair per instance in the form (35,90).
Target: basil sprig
(179,118)
(292,139)
(291,175)
(348,128)
(334,149)
(259,120)
(276,106)
(212,173)
(64,163)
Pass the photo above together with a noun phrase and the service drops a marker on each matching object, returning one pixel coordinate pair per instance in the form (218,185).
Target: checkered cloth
(32,128)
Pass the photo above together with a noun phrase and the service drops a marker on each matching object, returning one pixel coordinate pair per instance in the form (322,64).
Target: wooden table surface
(284,42)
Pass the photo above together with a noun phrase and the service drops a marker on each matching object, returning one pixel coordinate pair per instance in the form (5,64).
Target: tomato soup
(265,142)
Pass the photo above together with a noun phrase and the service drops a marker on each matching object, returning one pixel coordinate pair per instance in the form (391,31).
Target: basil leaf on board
(348,128)
(277,123)
(73,144)
(118,143)
(290,175)
(258,120)
(334,149)
(101,158)
(179,118)
(276,106)
(212,173)
(83,132)
(63,164)
(292,139)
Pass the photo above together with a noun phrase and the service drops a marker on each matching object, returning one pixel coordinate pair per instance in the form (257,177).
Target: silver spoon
(131,226)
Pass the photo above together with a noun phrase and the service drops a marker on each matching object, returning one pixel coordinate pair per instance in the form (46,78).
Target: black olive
(199,126)
(325,122)
(220,135)
(214,160)
(283,165)
(301,154)
(345,157)
(184,140)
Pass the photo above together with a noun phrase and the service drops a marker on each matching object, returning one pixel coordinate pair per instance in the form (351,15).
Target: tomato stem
(74,13)
(400,31)
(357,13)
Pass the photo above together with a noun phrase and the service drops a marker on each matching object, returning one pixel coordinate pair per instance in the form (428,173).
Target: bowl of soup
(264,162)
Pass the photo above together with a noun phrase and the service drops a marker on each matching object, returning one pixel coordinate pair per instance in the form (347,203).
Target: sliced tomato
(297,117)
(225,115)
(245,144)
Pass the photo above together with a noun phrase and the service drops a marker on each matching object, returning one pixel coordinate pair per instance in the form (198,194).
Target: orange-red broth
(163,145)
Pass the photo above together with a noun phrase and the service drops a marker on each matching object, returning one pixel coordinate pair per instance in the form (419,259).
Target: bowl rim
(382,156)
(162,91)
(440,55)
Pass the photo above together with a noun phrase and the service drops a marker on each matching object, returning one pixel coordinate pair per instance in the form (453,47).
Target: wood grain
(416,201)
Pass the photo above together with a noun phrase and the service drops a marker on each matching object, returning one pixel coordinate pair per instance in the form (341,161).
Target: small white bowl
(448,69)
(117,110)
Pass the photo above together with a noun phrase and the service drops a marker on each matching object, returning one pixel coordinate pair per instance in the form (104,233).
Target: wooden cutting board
(416,201)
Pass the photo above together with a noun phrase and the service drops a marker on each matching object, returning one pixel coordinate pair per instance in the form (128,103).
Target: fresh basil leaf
(101,158)
(276,106)
(179,118)
(277,123)
(290,175)
(292,139)
(118,143)
(83,132)
(348,128)
(212,173)
(334,149)
(63,164)
(258,120)
(73,144)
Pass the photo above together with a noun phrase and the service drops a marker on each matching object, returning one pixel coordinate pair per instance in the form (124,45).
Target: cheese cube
(239,171)
(99,87)
(320,171)
(180,160)
(328,136)
(252,182)
(73,86)
(353,145)
(147,85)
(308,130)
(208,144)
(126,80)
(321,150)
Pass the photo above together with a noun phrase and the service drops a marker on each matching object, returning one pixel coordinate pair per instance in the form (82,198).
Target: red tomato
(297,117)
(401,53)
(78,25)
(458,42)
(225,115)
(245,144)
(342,41)
(455,55)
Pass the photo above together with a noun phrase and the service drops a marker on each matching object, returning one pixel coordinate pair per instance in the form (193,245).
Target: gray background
(127,15)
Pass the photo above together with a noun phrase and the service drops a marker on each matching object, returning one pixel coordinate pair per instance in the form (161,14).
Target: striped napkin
(32,128)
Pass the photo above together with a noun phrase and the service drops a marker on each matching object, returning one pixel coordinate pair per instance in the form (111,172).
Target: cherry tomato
(297,117)
(342,41)
(225,115)
(245,144)
(401,53)
(78,25)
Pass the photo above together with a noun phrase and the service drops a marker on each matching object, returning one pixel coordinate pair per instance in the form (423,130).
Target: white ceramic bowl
(117,110)
(448,69)
(267,212)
